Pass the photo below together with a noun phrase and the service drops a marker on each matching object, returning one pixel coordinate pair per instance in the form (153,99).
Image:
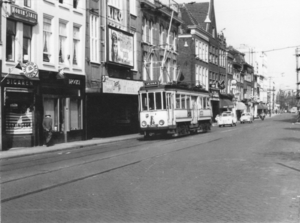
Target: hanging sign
(30,70)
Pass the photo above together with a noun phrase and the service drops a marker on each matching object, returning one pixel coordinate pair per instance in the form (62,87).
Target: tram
(173,109)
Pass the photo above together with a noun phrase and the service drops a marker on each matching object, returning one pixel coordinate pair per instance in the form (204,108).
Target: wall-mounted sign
(233,84)
(120,86)
(30,70)
(214,94)
(23,15)
(120,47)
(19,82)
(74,82)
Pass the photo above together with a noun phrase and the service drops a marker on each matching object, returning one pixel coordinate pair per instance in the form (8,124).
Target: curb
(29,151)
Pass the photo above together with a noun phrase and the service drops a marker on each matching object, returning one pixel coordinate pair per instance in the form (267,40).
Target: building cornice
(195,32)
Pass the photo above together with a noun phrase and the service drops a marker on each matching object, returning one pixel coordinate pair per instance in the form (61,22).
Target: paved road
(248,173)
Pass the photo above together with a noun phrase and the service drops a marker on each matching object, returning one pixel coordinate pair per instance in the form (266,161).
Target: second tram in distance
(173,109)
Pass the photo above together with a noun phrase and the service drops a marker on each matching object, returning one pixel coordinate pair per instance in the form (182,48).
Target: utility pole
(298,82)
(1,107)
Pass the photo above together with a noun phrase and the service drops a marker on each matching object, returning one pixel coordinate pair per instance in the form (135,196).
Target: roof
(195,13)
(174,87)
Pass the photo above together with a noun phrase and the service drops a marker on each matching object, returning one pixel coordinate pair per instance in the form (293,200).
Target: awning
(240,106)
(262,107)
(226,103)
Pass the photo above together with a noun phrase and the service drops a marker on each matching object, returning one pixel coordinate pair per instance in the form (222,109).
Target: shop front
(123,113)
(226,103)
(215,102)
(62,97)
(19,128)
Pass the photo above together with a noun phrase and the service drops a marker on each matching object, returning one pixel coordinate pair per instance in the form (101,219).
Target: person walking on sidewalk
(47,126)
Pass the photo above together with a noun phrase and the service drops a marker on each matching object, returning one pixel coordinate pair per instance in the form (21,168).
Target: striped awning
(240,106)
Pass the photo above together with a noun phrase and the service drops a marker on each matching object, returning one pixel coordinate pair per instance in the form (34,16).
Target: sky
(265,25)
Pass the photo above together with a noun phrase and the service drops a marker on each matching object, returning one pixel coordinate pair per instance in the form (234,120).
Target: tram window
(204,103)
(200,103)
(151,101)
(164,100)
(194,102)
(188,101)
(177,100)
(183,101)
(207,103)
(158,100)
(144,102)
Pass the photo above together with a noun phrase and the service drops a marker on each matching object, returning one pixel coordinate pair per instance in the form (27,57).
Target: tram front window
(151,101)
(144,102)
(158,100)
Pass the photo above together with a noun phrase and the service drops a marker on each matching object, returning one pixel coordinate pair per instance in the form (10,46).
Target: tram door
(194,110)
(170,108)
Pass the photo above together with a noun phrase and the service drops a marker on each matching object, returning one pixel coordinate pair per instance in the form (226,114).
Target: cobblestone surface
(250,174)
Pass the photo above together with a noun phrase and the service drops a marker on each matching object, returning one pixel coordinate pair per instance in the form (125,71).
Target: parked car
(227,118)
(293,110)
(246,117)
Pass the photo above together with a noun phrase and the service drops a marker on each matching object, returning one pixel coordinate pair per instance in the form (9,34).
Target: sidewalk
(26,151)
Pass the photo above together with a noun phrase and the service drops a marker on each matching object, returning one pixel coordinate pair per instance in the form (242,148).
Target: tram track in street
(94,174)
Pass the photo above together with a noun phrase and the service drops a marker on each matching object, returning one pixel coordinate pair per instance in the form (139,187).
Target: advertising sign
(18,121)
(23,15)
(120,47)
(121,86)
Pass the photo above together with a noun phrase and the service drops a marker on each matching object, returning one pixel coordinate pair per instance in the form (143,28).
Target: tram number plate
(153,125)
(201,113)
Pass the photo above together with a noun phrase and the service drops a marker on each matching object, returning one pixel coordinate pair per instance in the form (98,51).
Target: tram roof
(173,87)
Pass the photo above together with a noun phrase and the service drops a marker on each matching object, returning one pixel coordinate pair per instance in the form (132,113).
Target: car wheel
(220,126)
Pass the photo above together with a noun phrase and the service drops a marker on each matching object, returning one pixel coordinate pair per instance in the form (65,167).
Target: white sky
(266,25)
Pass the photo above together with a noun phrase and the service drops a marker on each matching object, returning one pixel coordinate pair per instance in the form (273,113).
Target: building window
(76,42)
(94,39)
(175,41)
(61,1)
(10,40)
(75,4)
(62,42)
(162,35)
(27,35)
(145,66)
(174,70)
(133,7)
(47,34)
(27,3)
(115,10)
(151,32)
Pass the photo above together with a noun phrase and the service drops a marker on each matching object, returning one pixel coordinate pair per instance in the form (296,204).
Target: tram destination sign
(151,83)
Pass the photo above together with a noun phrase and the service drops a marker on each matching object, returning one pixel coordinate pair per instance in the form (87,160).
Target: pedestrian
(47,127)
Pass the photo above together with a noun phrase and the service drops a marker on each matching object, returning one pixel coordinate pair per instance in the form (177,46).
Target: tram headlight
(161,122)
(144,124)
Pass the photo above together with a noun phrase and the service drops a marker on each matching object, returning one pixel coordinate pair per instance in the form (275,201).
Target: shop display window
(75,114)
(65,112)
(51,107)
(18,111)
